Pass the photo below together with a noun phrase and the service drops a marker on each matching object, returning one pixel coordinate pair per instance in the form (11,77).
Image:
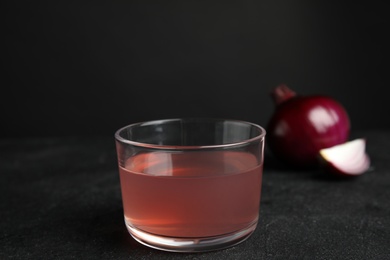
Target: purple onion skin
(302,125)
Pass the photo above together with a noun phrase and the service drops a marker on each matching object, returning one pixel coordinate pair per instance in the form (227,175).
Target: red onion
(303,125)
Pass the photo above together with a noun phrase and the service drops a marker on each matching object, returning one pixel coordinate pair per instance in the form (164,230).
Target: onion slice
(347,159)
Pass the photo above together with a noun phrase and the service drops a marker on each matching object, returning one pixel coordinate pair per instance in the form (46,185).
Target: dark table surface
(60,199)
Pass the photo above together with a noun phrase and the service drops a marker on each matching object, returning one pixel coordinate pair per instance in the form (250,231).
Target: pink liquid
(191,194)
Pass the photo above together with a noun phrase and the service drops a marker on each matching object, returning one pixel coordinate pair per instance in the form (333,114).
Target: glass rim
(261,135)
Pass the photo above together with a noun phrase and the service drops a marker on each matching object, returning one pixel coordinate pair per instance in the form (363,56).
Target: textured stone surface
(60,199)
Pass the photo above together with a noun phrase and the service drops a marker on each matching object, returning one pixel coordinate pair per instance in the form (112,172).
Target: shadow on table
(271,163)
(274,166)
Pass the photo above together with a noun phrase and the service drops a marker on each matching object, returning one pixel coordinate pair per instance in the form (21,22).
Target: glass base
(191,245)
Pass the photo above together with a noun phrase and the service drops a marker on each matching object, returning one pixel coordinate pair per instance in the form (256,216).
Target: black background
(90,68)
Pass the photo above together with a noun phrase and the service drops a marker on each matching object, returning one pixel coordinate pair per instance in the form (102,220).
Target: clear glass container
(192,184)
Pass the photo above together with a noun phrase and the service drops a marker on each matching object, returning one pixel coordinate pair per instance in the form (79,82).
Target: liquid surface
(191,194)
